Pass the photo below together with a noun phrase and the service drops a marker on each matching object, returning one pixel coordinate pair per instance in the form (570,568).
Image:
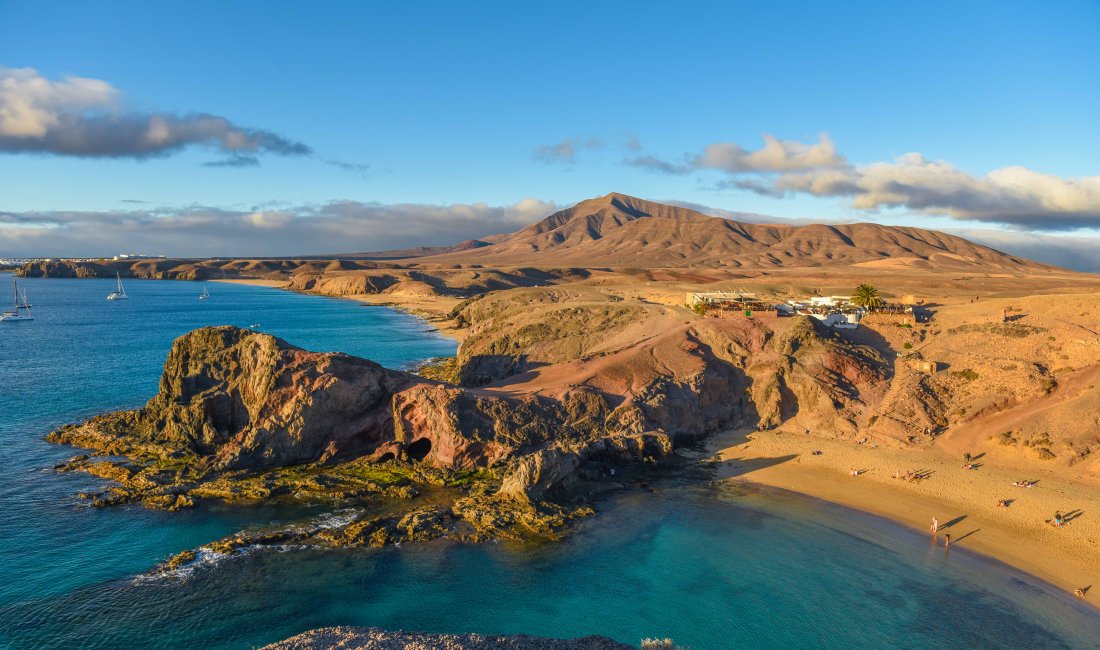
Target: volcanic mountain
(621,230)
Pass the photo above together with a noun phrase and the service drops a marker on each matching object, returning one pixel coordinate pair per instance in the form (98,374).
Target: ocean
(710,566)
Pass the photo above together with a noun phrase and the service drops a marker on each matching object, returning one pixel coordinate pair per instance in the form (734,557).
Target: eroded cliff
(602,401)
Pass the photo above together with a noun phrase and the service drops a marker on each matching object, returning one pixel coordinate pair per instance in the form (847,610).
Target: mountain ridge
(621,230)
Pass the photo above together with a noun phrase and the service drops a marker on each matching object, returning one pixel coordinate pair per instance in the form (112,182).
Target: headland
(582,368)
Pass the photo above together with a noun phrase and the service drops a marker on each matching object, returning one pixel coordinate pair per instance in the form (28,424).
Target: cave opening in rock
(386,456)
(418,449)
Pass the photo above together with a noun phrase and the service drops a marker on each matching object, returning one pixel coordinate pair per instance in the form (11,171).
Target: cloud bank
(353,226)
(196,231)
(1080,253)
(76,116)
(1014,196)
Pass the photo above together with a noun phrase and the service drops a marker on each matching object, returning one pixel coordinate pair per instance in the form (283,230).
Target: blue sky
(446,104)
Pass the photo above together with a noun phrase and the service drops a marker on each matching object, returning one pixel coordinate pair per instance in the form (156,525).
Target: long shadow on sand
(962,537)
(1072,514)
(953,522)
(734,467)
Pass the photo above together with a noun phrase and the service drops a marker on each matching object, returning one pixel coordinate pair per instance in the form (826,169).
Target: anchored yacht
(21,310)
(119,293)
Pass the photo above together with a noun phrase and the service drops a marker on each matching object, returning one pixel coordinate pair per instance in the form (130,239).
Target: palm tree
(866,296)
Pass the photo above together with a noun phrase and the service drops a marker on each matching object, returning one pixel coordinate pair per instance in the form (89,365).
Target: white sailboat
(20,309)
(205,293)
(119,293)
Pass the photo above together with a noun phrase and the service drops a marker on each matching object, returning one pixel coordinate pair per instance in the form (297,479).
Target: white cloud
(76,116)
(776,155)
(30,105)
(335,227)
(270,219)
(1015,196)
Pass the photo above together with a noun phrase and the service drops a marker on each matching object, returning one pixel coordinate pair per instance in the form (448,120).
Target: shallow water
(710,567)
(83,355)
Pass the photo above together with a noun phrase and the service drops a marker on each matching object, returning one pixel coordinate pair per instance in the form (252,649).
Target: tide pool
(711,567)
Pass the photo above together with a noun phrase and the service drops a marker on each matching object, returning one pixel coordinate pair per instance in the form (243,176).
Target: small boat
(254,326)
(205,295)
(119,293)
(20,309)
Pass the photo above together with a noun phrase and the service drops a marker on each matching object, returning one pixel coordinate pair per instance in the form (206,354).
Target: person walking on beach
(935,527)
(947,539)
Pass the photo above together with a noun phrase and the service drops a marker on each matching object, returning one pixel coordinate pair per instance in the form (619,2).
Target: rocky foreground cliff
(539,410)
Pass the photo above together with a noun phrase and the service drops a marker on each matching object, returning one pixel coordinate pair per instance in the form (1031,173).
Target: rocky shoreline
(243,417)
(480,447)
(358,638)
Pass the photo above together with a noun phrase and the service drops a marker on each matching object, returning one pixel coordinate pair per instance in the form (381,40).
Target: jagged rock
(495,516)
(535,476)
(442,425)
(182,501)
(249,400)
(178,560)
(417,525)
(353,638)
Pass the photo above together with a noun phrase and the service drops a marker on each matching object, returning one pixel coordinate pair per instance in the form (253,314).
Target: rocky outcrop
(243,416)
(446,426)
(357,638)
(343,284)
(455,427)
(149,269)
(687,379)
(536,476)
(347,279)
(51,269)
(238,399)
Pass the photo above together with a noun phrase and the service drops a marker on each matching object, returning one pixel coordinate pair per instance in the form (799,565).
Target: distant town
(19,261)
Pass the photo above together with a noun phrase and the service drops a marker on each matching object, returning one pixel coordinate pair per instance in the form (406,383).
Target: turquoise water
(711,567)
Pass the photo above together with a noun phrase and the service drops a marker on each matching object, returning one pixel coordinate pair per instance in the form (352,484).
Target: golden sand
(964,501)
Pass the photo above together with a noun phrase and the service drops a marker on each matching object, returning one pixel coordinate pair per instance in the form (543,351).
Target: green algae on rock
(245,417)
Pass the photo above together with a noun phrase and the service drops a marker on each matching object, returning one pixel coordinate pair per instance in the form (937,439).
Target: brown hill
(416,251)
(620,230)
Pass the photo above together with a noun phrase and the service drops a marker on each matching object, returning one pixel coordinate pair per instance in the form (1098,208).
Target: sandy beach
(964,501)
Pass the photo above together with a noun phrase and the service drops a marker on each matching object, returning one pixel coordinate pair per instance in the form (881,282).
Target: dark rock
(353,638)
